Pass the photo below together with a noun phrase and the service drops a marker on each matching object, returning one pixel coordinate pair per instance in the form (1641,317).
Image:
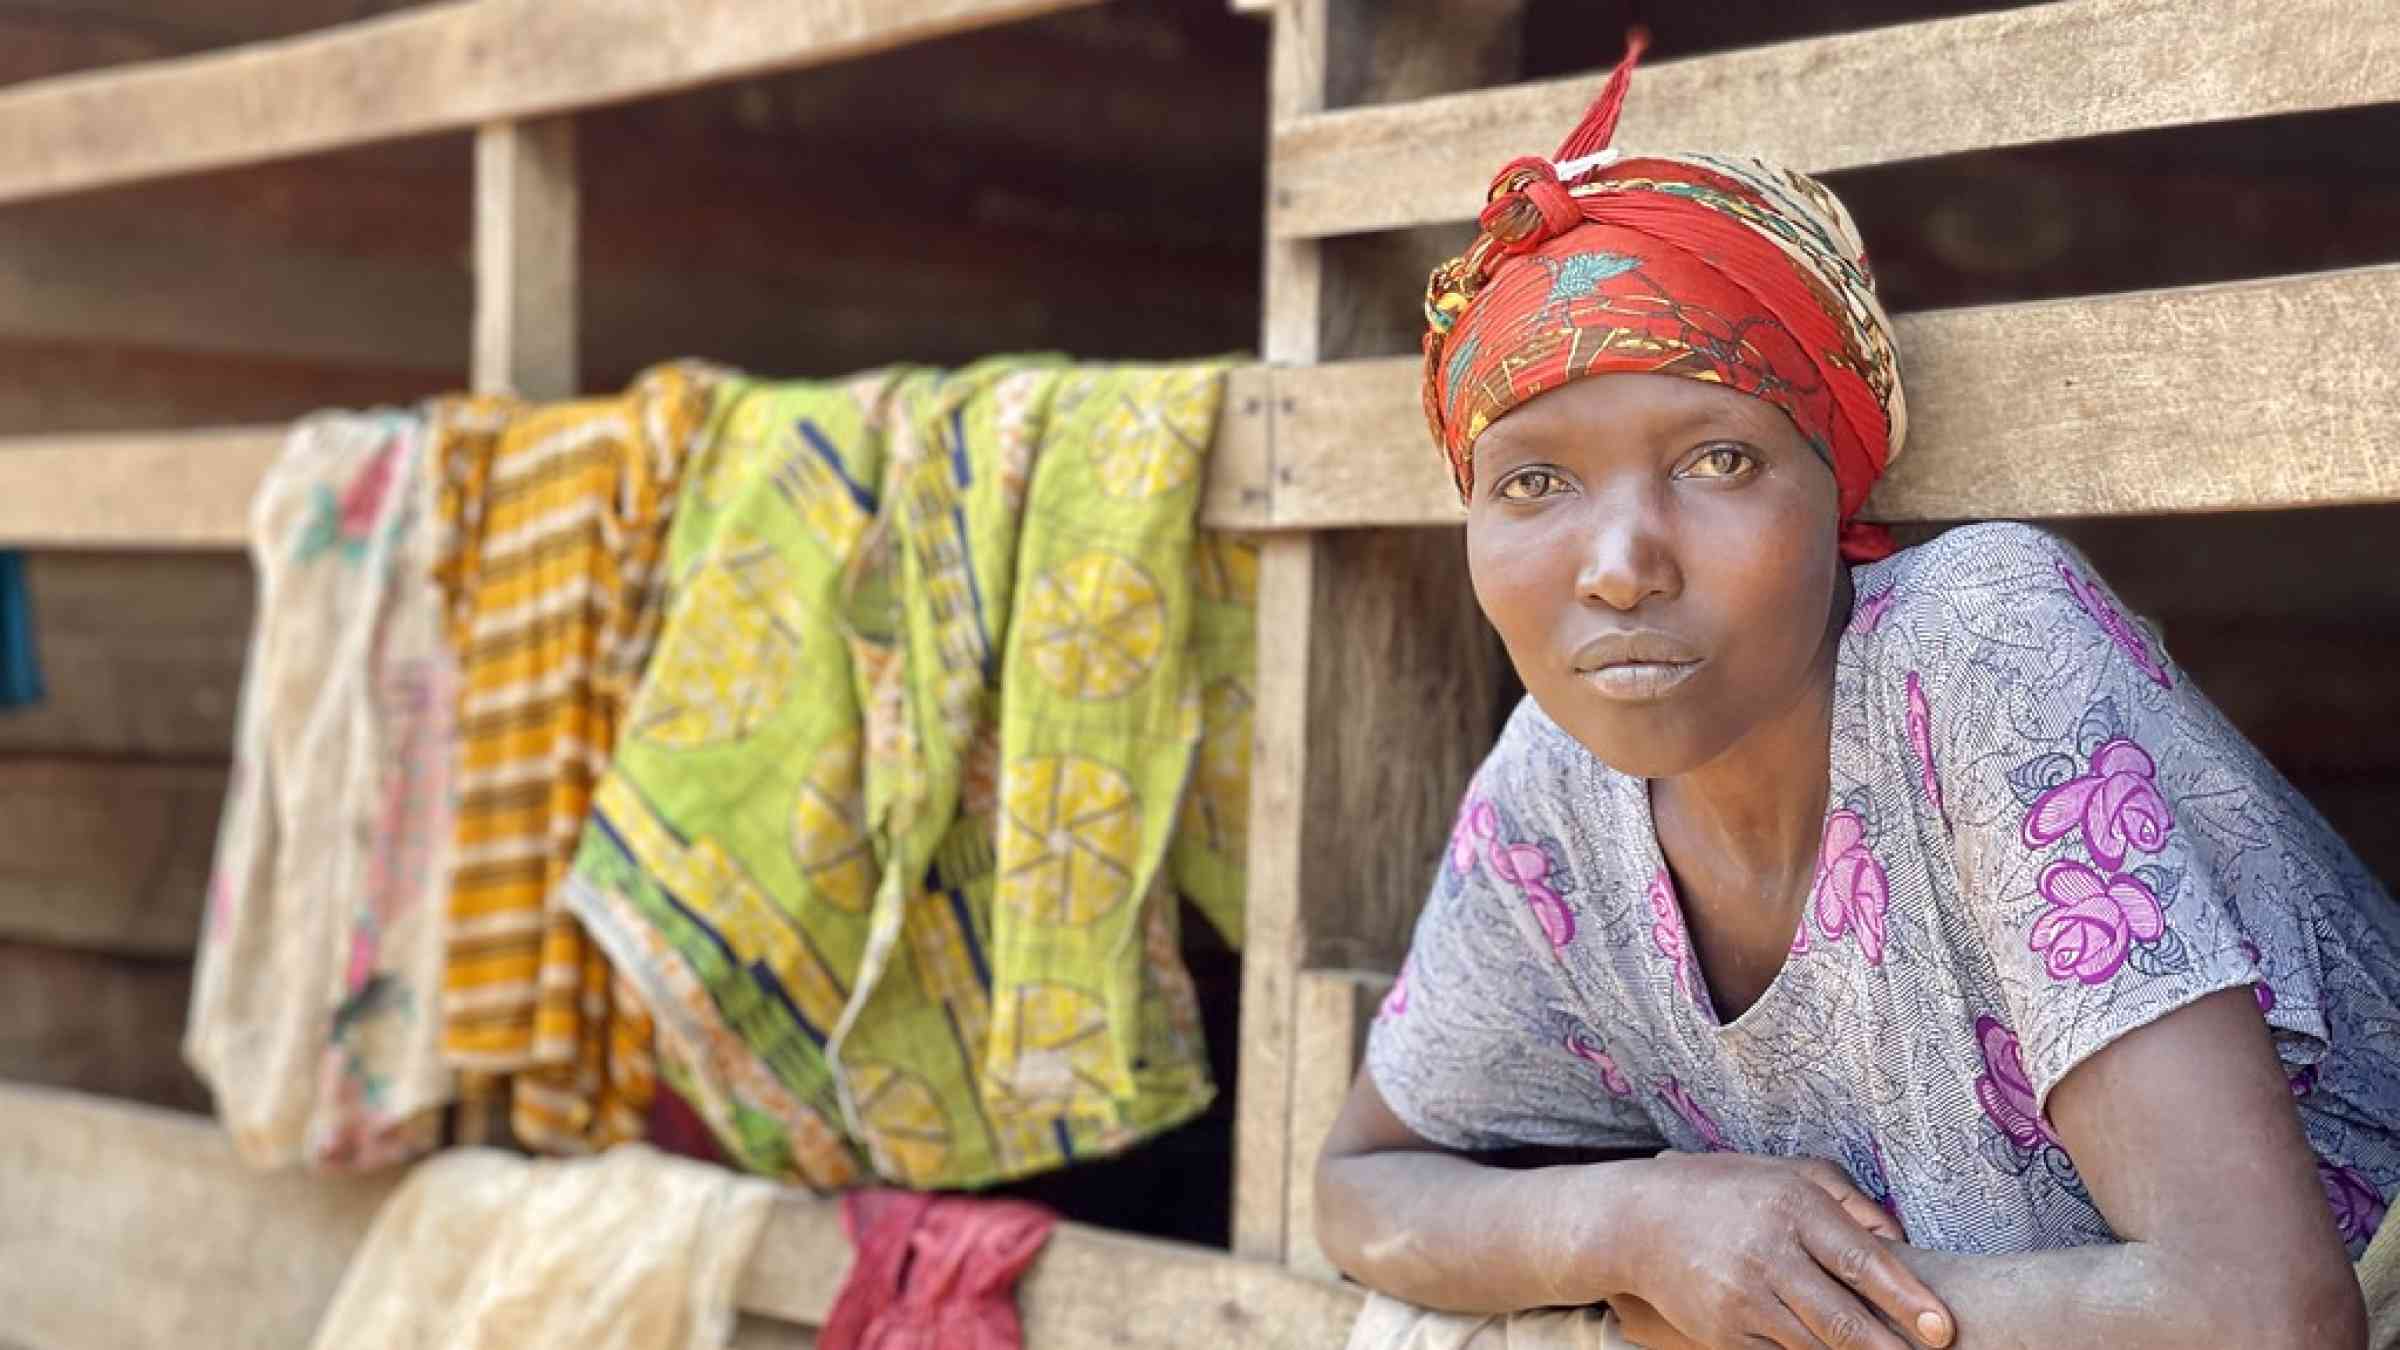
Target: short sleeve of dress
(1483,1043)
(2121,850)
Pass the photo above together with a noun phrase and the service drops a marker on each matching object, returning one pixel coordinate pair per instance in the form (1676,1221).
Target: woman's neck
(1741,832)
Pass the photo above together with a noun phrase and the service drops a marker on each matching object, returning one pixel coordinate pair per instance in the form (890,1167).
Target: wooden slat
(1332,1009)
(111,855)
(526,208)
(128,1227)
(91,1022)
(138,1229)
(141,490)
(2261,395)
(435,67)
(141,654)
(2247,396)
(1089,1289)
(2014,77)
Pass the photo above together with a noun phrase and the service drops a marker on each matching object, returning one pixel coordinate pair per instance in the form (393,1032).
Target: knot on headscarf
(1714,267)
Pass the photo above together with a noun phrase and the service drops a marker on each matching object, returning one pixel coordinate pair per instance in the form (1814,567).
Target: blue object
(20,674)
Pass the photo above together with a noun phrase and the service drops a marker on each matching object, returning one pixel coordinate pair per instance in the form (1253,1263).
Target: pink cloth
(934,1272)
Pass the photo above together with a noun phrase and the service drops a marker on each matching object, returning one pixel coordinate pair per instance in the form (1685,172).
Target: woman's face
(1660,556)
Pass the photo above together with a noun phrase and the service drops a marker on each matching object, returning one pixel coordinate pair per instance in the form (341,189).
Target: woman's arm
(2185,1134)
(1734,1248)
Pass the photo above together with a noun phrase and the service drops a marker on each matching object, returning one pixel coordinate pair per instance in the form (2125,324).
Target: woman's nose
(1626,559)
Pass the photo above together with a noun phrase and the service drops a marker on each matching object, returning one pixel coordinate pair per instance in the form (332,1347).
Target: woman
(1981,985)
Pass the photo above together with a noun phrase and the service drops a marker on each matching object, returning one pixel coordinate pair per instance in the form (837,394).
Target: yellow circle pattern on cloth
(1074,827)
(1151,445)
(1097,622)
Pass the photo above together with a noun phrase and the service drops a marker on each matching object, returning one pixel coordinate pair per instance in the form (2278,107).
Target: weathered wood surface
(2014,77)
(2245,396)
(526,208)
(436,67)
(133,490)
(107,855)
(1089,1288)
(141,654)
(133,1228)
(1332,1011)
(127,1227)
(92,1022)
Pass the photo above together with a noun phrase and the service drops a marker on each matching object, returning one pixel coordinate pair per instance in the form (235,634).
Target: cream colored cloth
(2379,1276)
(313,1012)
(1386,1323)
(482,1250)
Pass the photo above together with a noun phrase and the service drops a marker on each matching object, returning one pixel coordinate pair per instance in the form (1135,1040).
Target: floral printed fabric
(314,1011)
(2041,836)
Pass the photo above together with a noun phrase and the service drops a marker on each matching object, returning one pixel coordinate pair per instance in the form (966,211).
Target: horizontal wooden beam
(1089,1289)
(99,1197)
(2013,77)
(107,855)
(2246,396)
(431,68)
(141,655)
(2259,395)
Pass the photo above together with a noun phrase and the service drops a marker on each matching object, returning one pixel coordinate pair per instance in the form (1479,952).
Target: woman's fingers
(1856,1203)
(1867,1269)
(1833,1317)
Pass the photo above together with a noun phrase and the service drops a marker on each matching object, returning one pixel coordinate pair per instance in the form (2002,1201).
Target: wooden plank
(154,490)
(135,1228)
(141,654)
(192,294)
(526,209)
(91,1022)
(1333,1010)
(2262,395)
(431,68)
(1272,939)
(2014,77)
(110,855)
(1089,1289)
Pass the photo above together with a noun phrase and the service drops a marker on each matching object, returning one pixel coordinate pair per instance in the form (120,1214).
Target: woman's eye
(1721,461)
(1531,485)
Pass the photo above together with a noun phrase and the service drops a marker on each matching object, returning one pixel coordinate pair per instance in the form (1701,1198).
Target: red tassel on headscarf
(1599,125)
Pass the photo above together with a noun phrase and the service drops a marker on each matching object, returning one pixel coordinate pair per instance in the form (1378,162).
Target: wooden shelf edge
(434,68)
(2049,72)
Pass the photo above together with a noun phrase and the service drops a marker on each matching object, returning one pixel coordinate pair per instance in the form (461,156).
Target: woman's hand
(1748,1251)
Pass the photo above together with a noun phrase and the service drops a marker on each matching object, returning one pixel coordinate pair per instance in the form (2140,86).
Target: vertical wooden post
(1361,635)
(526,208)
(1330,1013)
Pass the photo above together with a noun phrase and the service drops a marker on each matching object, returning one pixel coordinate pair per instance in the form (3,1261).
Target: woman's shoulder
(1984,562)
(2002,595)
(1546,782)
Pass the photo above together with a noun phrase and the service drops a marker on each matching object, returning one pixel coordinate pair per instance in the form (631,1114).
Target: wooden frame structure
(2058,408)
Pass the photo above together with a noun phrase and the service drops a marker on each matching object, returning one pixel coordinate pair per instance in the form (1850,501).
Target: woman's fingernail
(1933,1328)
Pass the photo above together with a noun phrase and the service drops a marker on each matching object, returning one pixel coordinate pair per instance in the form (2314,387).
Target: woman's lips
(1639,681)
(1636,667)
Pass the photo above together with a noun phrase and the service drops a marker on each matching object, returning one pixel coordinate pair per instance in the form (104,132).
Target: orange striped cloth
(554,521)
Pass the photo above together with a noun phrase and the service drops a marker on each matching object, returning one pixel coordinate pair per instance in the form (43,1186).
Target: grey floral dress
(2040,836)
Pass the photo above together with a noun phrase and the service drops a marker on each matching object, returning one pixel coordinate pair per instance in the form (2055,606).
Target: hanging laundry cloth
(480,1250)
(887,844)
(314,1015)
(20,673)
(554,519)
(934,1272)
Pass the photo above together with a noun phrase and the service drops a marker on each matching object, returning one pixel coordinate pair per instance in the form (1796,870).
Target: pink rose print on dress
(2006,1092)
(1679,1099)
(1477,823)
(1611,1077)
(2358,1208)
(2116,802)
(1395,1001)
(1851,893)
(1527,868)
(1666,929)
(1868,616)
(1920,735)
(2113,622)
(2092,922)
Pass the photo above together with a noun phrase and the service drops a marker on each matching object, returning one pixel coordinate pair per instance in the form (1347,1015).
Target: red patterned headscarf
(1714,267)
